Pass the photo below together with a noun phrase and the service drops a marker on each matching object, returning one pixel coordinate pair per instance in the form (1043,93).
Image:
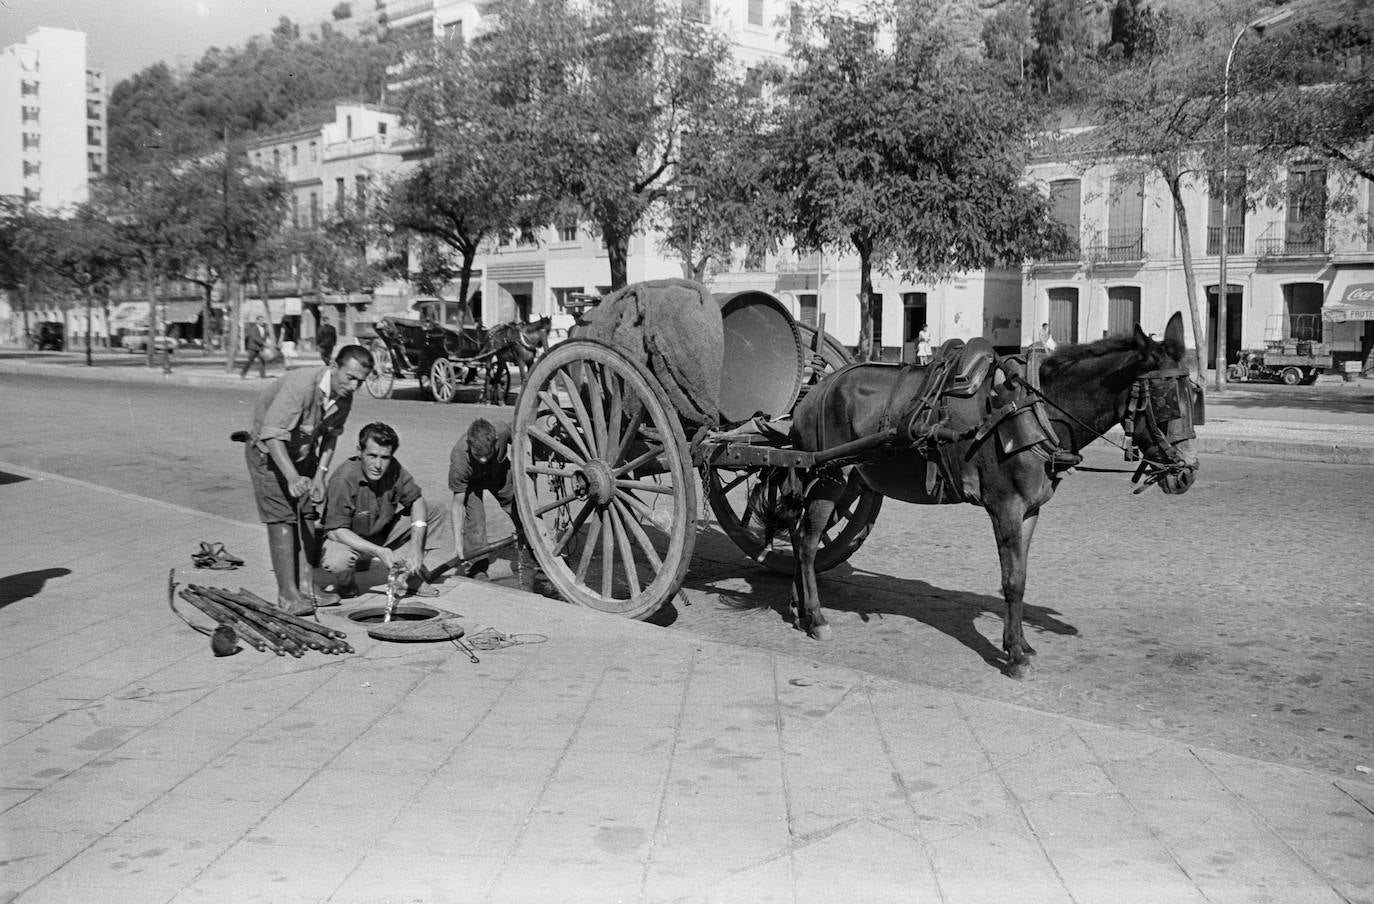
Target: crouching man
(374,509)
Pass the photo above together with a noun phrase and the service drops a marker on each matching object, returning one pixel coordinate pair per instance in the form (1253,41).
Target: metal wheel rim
(576,423)
(443,382)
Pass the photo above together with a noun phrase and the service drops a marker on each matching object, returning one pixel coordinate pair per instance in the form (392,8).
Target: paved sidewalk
(613,762)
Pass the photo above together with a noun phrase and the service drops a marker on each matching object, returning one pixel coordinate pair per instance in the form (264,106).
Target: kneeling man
(373,508)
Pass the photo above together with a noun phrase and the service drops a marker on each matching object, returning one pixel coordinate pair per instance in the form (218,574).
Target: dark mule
(1083,391)
(513,343)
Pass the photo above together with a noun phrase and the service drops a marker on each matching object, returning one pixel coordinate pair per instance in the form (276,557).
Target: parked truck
(1294,353)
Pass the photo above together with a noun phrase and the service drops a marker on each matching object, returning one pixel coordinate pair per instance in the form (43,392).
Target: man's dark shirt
(368,510)
(464,474)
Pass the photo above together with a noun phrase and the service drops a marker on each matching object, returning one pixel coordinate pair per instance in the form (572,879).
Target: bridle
(1155,413)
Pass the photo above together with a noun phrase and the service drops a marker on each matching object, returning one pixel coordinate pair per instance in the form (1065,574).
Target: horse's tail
(778,500)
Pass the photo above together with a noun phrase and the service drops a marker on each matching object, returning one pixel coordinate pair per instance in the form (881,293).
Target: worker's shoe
(478,570)
(325,598)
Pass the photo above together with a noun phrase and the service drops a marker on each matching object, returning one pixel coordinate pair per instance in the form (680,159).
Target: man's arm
(296,484)
(455,510)
(352,540)
(322,469)
(419,526)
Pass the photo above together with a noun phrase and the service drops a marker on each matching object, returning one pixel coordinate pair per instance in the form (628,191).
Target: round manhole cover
(410,622)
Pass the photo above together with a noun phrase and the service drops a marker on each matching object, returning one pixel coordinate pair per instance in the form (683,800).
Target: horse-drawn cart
(803,445)
(438,348)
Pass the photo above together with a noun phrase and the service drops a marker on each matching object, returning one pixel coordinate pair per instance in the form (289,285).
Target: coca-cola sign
(1359,293)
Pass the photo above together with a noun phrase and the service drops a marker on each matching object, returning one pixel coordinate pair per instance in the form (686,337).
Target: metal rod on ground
(253,601)
(258,620)
(224,617)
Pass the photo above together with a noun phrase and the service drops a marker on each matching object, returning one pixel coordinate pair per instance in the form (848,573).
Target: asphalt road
(1237,616)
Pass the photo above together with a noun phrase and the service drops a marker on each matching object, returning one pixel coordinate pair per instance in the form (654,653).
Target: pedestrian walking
(325,340)
(255,342)
(291,439)
(480,463)
(373,508)
(923,346)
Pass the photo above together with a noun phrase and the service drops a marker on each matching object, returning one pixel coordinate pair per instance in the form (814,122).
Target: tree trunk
(234,296)
(205,319)
(618,251)
(87,292)
(865,300)
(1174,181)
(465,283)
(151,347)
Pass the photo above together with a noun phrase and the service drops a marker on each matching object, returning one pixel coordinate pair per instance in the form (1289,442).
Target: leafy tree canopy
(267,84)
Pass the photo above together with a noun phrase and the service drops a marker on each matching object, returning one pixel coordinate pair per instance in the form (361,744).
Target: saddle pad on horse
(673,327)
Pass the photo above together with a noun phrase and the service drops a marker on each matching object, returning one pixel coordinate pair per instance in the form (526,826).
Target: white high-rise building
(52,119)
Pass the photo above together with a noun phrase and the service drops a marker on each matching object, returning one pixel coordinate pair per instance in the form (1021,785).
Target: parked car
(138,342)
(49,335)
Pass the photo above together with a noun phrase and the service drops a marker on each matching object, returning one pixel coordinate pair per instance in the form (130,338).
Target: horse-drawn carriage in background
(444,349)
(803,444)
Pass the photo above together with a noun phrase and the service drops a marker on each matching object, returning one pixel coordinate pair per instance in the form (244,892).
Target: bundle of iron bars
(262,625)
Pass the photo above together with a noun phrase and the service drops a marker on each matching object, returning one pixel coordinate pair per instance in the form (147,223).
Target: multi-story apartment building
(331,169)
(52,119)
(1287,263)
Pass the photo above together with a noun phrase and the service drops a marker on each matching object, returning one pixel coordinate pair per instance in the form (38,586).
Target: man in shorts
(295,425)
(374,509)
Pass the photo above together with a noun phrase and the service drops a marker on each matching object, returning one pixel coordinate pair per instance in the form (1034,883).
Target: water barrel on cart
(764,357)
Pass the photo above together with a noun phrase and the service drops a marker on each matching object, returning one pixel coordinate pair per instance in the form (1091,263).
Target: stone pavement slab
(601,760)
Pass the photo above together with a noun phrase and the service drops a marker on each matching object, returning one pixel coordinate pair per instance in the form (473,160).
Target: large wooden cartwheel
(729,490)
(604,484)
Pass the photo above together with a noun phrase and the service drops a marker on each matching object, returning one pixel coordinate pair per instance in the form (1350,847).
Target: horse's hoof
(1020,670)
(821,632)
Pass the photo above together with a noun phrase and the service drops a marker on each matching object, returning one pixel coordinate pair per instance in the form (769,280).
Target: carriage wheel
(730,493)
(730,490)
(443,380)
(603,482)
(382,381)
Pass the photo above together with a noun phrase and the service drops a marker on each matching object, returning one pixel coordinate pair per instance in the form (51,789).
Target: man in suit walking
(254,341)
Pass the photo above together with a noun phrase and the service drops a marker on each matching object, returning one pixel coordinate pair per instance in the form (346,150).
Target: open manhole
(409,622)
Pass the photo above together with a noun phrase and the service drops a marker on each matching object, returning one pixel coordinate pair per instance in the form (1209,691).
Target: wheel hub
(596,482)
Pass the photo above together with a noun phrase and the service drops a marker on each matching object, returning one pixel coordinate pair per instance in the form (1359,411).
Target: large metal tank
(764,356)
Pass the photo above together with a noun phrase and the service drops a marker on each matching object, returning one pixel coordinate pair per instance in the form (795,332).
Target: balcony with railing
(1235,240)
(1117,246)
(1071,254)
(1292,240)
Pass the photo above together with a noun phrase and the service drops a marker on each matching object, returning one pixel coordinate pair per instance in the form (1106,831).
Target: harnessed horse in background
(975,427)
(512,343)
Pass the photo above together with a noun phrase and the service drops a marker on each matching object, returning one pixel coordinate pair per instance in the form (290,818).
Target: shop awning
(1348,300)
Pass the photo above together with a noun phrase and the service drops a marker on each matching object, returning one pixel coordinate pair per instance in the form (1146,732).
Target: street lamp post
(1259,25)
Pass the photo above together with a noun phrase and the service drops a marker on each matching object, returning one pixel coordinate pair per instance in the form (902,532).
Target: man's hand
(300,486)
(317,488)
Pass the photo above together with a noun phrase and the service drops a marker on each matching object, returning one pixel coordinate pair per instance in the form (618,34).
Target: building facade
(52,119)
(1288,263)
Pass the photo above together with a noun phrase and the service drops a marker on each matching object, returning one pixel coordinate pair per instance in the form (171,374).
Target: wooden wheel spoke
(613,434)
(588,549)
(571,387)
(622,541)
(555,445)
(631,431)
(556,504)
(564,421)
(637,531)
(647,486)
(550,471)
(595,395)
(573,528)
(725,488)
(607,554)
(638,462)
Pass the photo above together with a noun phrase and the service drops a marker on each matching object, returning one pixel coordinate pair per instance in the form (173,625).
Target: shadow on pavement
(871,595)
(16,587)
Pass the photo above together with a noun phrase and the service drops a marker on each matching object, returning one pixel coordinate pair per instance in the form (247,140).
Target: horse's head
(1162,408)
